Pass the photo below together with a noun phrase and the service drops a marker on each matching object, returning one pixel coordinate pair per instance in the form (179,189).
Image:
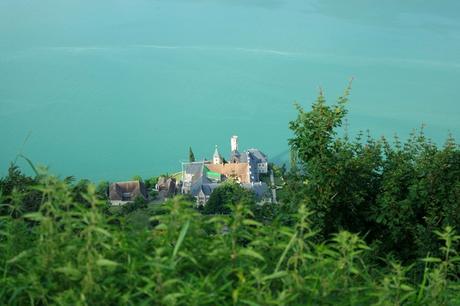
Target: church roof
(239,170)
(203,184)
(258,154)
(195,169)
(216,152)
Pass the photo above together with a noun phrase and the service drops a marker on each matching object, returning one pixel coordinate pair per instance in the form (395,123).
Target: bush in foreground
(69,253)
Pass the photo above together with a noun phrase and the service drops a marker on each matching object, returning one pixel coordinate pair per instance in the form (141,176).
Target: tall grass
(68,253)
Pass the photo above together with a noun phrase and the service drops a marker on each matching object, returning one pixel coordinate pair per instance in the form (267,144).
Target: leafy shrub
(73,254)
(396,194)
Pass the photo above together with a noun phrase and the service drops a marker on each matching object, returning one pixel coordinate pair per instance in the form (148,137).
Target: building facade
(124,192)
(200,178)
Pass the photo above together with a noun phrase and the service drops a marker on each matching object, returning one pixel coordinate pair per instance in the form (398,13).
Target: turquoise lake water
(108,89)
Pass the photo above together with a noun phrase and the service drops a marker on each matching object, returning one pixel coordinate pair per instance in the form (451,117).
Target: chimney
(234,143)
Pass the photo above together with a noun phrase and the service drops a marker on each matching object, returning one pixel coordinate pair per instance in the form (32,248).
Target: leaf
(161,227)
(172,297)
(72,273)
(18,257)
(189,257)
(283,256)
(354,271)
(275,275)
(182,234)
(406,296)
(431,259)
(102,231)
(103,262)
(36,216)
(235,294)
(170,282)
(31,164)
(215,219)
(249,303)
(4,233)
(251,253)
(406,287)
(251,222)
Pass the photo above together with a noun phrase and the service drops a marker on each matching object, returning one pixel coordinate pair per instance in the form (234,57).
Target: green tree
(191,156)
(396,193)
(228,193)
(78,191)
(19,195)
(335,177)
(137,178)
(102,190)
(138,203)
(151,182)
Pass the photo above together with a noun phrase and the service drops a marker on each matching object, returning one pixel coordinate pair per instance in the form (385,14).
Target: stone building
(166,187)
(200,178)
(125,192)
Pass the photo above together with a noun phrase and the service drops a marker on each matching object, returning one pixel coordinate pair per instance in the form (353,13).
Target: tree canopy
(191,156)
(227,194)
(395,193)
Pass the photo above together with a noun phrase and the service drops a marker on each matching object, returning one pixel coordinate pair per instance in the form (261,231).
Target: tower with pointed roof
(216,158)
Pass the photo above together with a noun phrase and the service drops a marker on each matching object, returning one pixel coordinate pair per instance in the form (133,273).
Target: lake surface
(108,89)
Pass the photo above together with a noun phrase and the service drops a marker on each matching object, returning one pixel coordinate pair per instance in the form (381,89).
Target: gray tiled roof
(209,188)
(203,183)
(195,169)
(253,154)
(258,154)
(243,157)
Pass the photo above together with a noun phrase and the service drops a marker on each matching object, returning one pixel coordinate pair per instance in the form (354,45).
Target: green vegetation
(191,156)
(396,195)
(227,194)
(361,222)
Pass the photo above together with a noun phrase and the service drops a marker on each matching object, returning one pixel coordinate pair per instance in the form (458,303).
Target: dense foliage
(361,222)
(69,253)
(191,156)
(227,194)
(20,196)
(395,194)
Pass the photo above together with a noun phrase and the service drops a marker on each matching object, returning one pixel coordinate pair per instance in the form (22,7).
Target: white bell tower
(234,143)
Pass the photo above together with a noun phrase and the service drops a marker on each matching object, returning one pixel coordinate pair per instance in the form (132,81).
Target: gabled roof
(134,188)
(195,169)
(216,153)
(250,155)
(258,154)
(203,184)
(209,188)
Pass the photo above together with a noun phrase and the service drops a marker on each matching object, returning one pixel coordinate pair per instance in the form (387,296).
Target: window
(126,196)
